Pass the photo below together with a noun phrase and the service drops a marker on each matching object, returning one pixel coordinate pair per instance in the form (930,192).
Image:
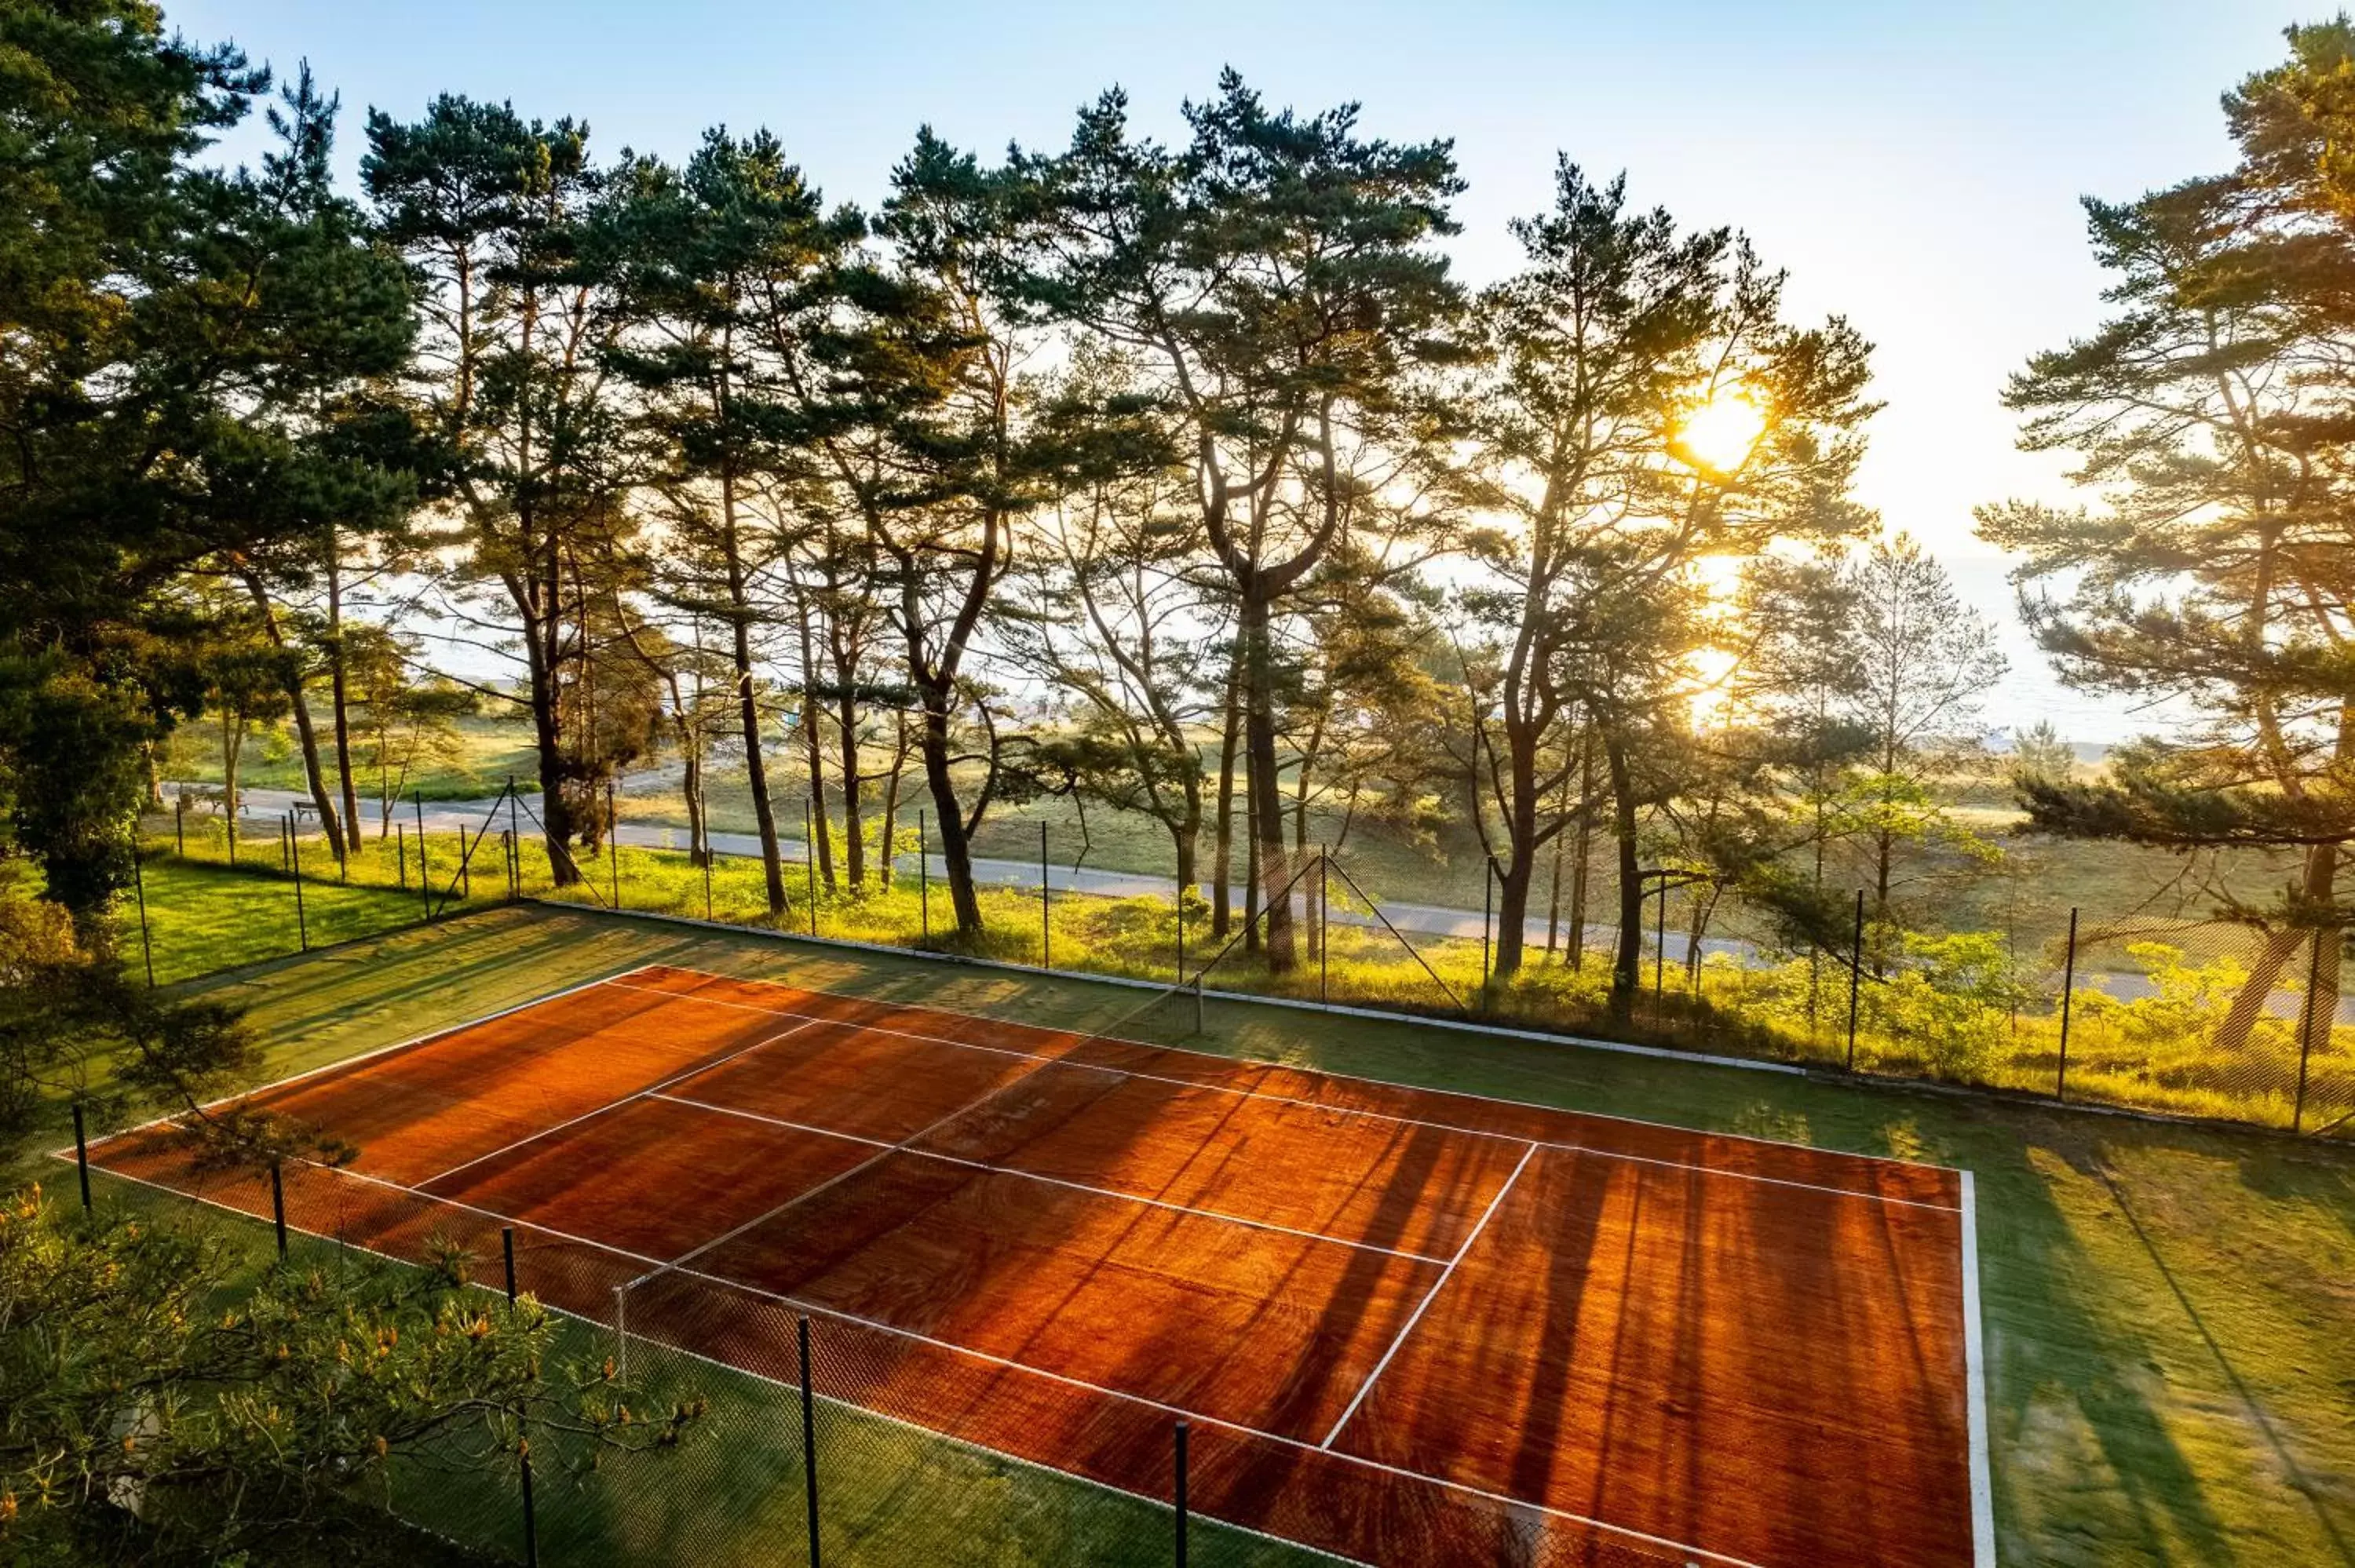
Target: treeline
(1183,477)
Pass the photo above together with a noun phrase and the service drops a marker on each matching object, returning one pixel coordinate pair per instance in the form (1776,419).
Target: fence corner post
(1178,1489)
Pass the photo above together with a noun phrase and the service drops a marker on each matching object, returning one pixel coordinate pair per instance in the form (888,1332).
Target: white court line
(1320,1106)
(341,1063)
(1975,1383)
(816,1309)
(1058,1181)
(610,1104)
(1430,1295)
(833,1180)
(1489,1032)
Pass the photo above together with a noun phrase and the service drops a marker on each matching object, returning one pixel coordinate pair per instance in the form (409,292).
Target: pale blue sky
(1915,168)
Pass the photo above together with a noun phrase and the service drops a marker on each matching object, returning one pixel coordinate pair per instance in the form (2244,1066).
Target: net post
(809,1438)
(531,1523)
(507,1248)
(278,1206)
(81,1156)
(1855,976)
(1178,1489)
(2068,991)
(146,945)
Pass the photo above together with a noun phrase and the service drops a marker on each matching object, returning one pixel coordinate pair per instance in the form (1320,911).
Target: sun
(1719,434)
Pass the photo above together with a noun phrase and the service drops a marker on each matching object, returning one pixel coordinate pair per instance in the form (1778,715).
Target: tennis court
(1406,1326)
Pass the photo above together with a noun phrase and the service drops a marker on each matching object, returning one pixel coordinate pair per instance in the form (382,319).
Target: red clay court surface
(1407,1326)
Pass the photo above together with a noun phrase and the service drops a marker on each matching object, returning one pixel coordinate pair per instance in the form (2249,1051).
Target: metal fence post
(81,1155)
(515,839)
(2306,1030)
(923,876)
(146,945)
(180,825)
(809,859)
(613,841)
(1179,1491)
(400,849)
(2068,990)
(1488,914)
(1855,976)
(278,1207)
(1660,948)
(809,1439)
(531,1523)
(294,860)
(506,1246)
(1324,929)
(424,877)
(1046,909)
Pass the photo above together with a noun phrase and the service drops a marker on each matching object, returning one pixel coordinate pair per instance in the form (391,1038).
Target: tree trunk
(1583,853)
(885,848)
(1627,967)
(1520,850)
(1251,938)
(338,688)
(232,724)
(956,849)
(1222,854)
(1267,801)
(313,773)
(821,843)
(853,848)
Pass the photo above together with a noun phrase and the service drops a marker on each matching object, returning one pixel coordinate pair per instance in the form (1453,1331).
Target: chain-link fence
(2171,1012)
(812,1437)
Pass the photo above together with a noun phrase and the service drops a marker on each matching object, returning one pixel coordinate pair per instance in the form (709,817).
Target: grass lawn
(488,749)
(203,915)
(2170,1311)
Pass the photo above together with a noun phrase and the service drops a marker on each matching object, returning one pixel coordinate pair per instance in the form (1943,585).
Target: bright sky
(1915,166)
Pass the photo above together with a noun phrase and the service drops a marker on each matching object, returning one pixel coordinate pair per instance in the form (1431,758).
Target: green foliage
(138,1370)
